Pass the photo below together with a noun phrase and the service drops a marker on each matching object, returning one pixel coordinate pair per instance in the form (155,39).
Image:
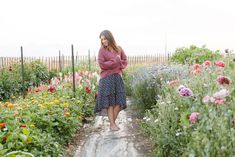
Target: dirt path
(127,142)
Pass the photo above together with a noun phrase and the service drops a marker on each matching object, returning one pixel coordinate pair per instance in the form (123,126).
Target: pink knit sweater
(111,63)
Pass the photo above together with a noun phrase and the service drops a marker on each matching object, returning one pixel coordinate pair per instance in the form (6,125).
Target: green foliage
(193,55)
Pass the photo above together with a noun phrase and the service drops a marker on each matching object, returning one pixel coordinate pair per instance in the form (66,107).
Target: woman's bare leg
(111,117)
(116,110)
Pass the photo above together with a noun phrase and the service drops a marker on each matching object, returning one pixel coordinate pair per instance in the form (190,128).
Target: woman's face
(104,41)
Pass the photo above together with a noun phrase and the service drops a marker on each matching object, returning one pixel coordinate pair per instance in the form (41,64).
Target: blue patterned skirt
(111,92)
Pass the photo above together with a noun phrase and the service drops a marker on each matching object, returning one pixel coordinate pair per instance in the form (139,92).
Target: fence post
(22,71)
(89,60)
(168,57)
(73,72)
(2,62)
(59,61)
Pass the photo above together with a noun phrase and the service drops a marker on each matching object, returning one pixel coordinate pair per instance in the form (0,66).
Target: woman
(111,93)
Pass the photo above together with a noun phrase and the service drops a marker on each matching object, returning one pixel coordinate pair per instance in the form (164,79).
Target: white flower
(221,94)
(162,103)
(145,118)
(178,133)
(176,109)
(156,120)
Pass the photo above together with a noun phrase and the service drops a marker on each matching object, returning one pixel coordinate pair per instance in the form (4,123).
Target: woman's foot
(114,128)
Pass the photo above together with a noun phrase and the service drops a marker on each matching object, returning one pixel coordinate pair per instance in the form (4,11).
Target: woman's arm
(124,61)
(108,65)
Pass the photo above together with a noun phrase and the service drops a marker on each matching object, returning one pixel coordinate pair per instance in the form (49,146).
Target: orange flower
(174,82)
(10,106)
(67,114)
(3,125)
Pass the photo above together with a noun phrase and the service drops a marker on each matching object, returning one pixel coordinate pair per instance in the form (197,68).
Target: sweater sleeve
(107,65)
(124,61)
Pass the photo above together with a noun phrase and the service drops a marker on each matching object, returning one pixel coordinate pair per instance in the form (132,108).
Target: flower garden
(188,106)
(44,122)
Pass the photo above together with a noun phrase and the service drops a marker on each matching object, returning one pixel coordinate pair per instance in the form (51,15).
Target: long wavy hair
(111,41)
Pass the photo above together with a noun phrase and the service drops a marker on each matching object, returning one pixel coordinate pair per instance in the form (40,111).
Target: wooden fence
(60,62)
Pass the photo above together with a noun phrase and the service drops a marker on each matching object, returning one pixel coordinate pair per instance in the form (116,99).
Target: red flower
(207,63)
(220,64)
(51,89)
(37,90)
(88,91)
(223,80)
(196,66)
(23,126)
(196,71)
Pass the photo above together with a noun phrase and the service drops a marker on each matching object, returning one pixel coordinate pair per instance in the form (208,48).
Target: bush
(193,55)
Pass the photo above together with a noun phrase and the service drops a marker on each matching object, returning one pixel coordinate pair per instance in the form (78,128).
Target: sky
(45,27)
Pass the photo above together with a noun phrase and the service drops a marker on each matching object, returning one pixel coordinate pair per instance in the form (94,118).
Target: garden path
(129,141)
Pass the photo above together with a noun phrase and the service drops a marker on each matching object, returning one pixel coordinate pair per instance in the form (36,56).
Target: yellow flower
(56,101)
(66,104)
(79,117)
(34,101)
(50,103)
(41,106)
(32,126)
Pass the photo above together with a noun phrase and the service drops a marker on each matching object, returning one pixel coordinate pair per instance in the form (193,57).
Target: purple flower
(180,87)
(186,92)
